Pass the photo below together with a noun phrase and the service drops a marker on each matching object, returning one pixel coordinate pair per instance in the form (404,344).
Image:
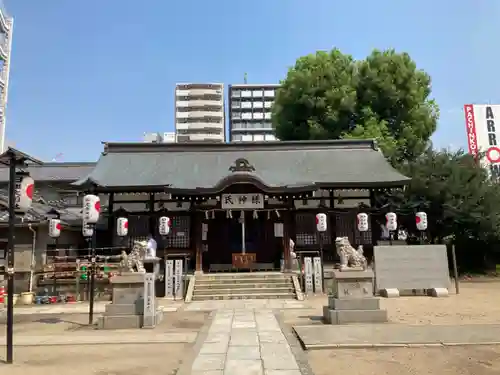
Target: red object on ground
(70,299)
(52,299)
(2,294)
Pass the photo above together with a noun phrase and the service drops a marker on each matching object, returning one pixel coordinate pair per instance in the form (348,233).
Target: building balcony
(5,24)
(201,137)
(199,114)
(199,103)
(208,126)
(199,92)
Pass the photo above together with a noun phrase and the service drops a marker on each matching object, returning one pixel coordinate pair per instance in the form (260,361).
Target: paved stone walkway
(245,342)
(271,304)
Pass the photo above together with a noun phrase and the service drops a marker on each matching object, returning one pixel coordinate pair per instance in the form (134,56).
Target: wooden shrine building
(236,206)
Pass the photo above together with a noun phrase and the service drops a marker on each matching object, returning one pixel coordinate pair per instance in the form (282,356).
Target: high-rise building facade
(166,137)
(199,112)
(250,112)
(6,28)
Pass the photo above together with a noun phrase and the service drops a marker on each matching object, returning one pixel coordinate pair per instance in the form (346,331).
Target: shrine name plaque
(243,260)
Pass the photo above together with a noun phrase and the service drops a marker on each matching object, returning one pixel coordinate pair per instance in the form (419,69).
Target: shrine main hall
(236,206)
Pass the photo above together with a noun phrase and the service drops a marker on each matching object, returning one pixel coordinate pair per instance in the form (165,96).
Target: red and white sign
(362,219)
(24,189)
(122,226)
(421,220)
(164,225)
(483,131)
(91,208)
(54,228)
(391,221)
(321,222)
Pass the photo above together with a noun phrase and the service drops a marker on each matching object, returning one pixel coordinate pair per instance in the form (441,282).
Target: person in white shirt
(151,247)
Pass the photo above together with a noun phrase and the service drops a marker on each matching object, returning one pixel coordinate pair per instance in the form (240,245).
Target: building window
(179,232)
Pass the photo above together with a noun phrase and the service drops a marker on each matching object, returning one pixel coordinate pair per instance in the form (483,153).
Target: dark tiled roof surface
(54,171)
(41,211)
(277,164)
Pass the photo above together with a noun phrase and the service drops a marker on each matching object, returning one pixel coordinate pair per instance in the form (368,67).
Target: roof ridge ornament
(241,165)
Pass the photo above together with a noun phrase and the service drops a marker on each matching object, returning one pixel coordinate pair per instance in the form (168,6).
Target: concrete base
(353,316)
(439,292)
(354,304)
(389,293)
(125,321)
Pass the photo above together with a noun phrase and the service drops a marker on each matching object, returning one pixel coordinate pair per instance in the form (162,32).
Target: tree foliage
(329,95)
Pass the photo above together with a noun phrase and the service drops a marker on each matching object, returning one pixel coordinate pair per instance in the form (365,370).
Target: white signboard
(278,229)
(318,270)
(308,275)
(149,301)
(169,278)
(178,281)
(242,201)
(483,134)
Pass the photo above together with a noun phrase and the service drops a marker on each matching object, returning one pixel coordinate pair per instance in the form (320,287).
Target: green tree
(460,201)
(332,96)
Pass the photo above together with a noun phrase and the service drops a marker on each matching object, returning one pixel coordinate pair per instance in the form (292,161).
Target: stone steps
(243,285)
(256,285)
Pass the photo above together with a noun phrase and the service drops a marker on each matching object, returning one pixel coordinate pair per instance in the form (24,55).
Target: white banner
(149,301)
(178,282)
(318,270)
(308,275)
(169,278)
(242,201)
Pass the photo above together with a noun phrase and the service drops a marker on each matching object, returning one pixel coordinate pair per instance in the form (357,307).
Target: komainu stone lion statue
(134,262)
(350,258)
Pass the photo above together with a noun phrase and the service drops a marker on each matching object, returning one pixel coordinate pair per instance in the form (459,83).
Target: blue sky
(104,70)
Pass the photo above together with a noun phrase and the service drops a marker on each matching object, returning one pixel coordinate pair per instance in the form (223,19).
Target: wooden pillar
(198,241)
(152,219)
(287,231)
(373,221)
(111,219)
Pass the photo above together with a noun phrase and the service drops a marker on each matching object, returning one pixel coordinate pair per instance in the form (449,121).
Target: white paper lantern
(421,220)
(391,221)
(54,228)
(122,226)
(321,222)
(164,225)
(91,208)
(24,189)
(362,222)
(87,230)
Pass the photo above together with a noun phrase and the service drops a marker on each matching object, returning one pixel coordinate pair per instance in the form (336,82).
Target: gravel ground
(466,360)
(150,359)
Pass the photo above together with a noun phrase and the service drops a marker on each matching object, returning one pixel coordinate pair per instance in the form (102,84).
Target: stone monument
(133,302)
(352,299)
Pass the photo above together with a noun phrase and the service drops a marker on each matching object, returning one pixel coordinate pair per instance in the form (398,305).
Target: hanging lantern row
(164,224)
(391,221)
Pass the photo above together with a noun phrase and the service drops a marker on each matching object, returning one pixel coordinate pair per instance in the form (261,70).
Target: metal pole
(92,278)
(10,262)
(455,269)
(320,240)
(243,238)
(54,282)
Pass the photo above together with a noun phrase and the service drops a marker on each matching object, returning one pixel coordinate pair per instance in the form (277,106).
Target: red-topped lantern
(122,226)
(91,209)
(362,220)
(164,225)
(24,189)
(421,221)
(391,221)
(321,222)
(54,228)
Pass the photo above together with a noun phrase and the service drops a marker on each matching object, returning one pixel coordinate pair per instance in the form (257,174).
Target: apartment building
(199,112)
(250,112)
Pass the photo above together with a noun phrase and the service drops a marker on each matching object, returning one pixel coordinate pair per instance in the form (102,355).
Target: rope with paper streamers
(210,214)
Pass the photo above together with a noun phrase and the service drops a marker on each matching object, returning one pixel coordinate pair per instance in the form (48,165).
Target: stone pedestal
(352,300)
(127,307)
